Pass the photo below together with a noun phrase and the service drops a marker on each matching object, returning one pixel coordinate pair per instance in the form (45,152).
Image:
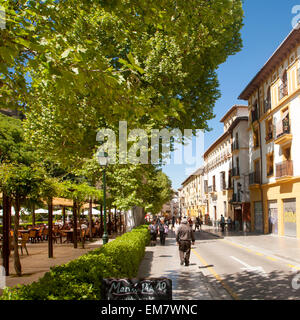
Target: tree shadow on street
(275,285)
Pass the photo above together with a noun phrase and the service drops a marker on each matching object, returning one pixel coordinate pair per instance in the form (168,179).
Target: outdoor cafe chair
(32,235)
(40,235)
(45,234)
(56,235)
(82,236)
(23,242)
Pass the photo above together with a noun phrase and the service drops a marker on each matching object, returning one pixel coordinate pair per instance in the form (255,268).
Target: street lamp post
(103,160)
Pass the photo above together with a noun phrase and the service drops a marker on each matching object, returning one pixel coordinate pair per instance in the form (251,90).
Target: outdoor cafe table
(69,234)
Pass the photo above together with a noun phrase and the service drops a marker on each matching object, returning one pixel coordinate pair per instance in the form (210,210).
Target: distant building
(171,208)
(191,195)
(221,167)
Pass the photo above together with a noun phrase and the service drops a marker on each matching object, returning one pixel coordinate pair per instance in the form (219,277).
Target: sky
(266,24)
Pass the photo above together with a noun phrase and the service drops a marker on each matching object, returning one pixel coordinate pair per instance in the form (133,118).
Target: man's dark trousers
(184,251)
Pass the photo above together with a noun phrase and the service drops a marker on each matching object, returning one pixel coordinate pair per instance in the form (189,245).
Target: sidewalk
(37,263)
(285,248)
(188,283)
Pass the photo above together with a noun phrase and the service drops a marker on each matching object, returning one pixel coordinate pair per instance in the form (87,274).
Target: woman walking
(153,232)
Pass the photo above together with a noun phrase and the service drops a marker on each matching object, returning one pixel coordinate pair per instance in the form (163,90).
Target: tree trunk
(90,218)
(64,215)
(116,220)
(33,214)
(50,228)
(75,212)
(6,235)
(120,222)
(17,263)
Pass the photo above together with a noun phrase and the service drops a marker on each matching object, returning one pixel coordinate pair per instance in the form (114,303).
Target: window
(254,111)
(270,164)
(283,88)
(256,138)
(269,130)
(267,103)
(222,181)
(286,153)
(214,183)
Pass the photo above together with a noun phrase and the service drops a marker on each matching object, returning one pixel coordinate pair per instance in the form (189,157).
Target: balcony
(235,173)
(283,91)
(223,186)
(284,170)
(269,136)
(236,198)
(283,132)
(254,179)
(254,115)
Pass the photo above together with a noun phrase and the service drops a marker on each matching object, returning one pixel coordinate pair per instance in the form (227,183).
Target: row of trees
(26,179)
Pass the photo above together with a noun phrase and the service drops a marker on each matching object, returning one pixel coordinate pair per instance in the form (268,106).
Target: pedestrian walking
(229,223)
(173,222)
(153,232)
(197,224)
(201,223)
(185,236)
(190,221)
(222,222)
(163,231)
(177,225)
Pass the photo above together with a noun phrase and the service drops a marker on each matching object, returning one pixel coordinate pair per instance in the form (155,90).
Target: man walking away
(185,236)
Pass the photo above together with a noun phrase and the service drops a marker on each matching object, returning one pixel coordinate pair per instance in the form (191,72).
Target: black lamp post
(103,161)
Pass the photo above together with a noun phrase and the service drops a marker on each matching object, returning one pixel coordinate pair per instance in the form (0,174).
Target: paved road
(244,272)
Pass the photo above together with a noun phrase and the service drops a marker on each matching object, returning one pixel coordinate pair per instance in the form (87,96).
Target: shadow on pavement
(275,285)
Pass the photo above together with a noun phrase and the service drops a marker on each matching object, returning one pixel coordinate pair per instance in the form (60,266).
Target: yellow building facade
(274,138)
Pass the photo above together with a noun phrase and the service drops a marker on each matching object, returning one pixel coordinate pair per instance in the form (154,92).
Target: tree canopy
(78,66)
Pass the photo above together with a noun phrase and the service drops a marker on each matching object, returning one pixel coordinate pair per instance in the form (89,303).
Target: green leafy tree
(90,64)
(19,181)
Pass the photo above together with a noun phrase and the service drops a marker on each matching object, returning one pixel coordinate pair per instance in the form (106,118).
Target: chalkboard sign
(137,289)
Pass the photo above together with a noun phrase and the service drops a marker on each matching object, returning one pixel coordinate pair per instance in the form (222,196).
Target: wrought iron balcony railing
(254,178)
(284,169)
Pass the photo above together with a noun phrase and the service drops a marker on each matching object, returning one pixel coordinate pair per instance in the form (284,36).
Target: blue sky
(266,25)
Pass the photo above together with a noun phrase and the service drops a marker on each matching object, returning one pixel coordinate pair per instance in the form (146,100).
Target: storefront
(258,216)
(273,216)
(289,217)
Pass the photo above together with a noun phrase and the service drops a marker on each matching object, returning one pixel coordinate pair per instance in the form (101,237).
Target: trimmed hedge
(81,278)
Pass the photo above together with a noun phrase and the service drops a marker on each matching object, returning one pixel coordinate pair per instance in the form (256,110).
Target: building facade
(220,169)
(191,195)
(240,172)
(274,137)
